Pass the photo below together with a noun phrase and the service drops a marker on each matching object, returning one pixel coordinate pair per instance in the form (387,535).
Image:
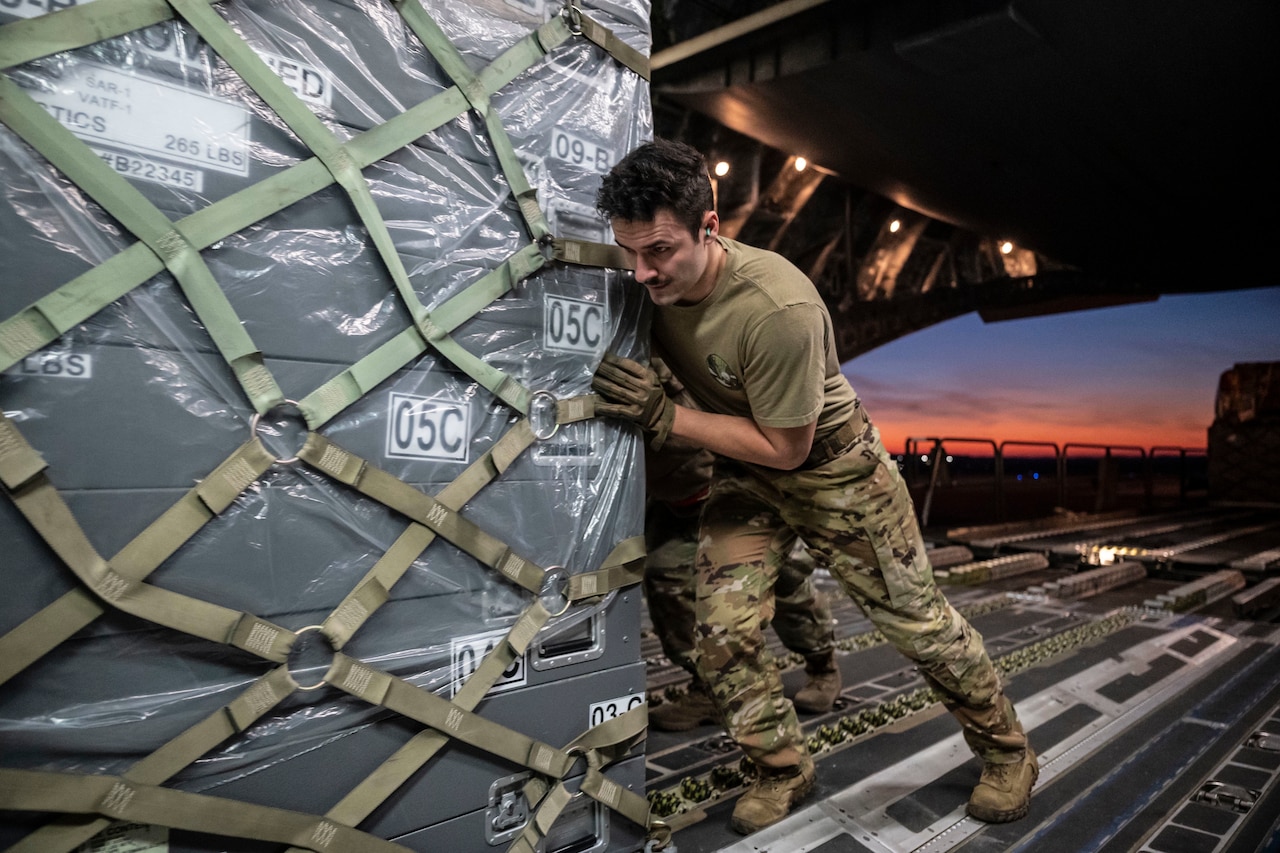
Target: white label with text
(309,83)
(573,325)
(146,169)
(467,653)
(576,151)
(601,712)
(149,117)
(428,428)
(57,365)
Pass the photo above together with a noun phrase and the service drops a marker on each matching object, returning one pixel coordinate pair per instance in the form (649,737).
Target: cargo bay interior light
(894,226)
(722,168)
(801,163)
(1006,247)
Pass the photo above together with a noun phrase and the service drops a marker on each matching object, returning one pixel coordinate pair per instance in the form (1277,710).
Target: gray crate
(134,406)
(311,755)
(584,826)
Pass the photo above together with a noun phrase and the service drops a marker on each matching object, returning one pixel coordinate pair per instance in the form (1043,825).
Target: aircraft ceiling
(1129,139)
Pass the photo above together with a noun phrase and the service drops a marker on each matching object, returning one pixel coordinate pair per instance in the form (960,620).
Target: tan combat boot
(770,798)
(1004,791)
(820,691)
(689,710)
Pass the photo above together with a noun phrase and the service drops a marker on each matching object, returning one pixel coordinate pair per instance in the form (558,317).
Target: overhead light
(722,168)
(1006,247)
(894,226)
(801,163)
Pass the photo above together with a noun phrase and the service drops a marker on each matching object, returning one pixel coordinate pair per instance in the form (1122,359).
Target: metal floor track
(1157,731)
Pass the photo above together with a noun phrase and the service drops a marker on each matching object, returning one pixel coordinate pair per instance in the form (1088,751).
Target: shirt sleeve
(785,366)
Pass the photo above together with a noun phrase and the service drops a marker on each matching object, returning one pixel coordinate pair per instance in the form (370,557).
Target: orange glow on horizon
(1038,435)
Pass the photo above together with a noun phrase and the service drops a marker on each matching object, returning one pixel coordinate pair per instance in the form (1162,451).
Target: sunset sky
(1144,374)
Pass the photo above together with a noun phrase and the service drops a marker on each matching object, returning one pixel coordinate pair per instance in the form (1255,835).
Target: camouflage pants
(797,610)
(855,510)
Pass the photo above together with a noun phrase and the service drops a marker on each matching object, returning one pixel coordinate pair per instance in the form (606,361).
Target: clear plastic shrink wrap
(363,252)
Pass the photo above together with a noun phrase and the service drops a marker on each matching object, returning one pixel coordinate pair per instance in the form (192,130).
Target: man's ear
(710,224)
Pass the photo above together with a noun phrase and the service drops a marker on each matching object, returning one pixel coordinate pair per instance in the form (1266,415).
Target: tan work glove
(631,391)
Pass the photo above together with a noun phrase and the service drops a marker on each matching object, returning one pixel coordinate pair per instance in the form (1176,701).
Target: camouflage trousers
(796,609)
(856,512)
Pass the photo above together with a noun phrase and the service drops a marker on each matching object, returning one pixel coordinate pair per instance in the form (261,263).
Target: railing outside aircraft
(959,480)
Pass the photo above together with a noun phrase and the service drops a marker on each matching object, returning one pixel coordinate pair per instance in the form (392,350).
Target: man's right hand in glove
(632,391)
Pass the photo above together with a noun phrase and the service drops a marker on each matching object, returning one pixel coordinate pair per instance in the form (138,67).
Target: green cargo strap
(352,384)
(522,55)
(588,254)
(19,461)
(601,746)
(395,694)
(74,302)
(548,809)
(387,778)
(623,567)
(132,209)
(372,590)
(334,396)
(604,38)
(75,27)
(478,94)
(37,499)
(393,492)
(614,739)
(46,629)
(123,800)
(299,118)
(260,697)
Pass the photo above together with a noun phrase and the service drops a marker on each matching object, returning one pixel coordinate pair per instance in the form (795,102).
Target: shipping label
(573,325)
(56,365)
(601,712)
(467,653)
(153,171)
(583,153)
(428,428)
(149,117)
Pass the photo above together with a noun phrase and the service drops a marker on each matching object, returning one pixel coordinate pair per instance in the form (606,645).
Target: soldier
(750,338)
(678,482)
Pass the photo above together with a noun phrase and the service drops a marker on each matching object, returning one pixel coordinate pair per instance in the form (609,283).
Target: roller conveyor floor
(1158,731)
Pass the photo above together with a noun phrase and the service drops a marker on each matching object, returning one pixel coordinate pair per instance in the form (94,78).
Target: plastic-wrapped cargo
(311,536)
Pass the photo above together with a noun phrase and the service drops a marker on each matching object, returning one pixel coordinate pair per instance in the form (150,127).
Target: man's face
(674,266)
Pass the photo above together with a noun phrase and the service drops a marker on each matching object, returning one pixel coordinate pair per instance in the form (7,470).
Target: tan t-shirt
(760,346)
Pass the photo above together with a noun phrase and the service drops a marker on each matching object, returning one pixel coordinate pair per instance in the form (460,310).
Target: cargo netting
(312,537)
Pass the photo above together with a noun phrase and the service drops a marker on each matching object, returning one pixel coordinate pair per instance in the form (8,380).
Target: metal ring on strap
(555,575)
(323,681)
(538,402)
(592,759)
(573,17)
(257,419)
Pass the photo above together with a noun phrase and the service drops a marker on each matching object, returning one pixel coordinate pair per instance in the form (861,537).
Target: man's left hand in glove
(632,391)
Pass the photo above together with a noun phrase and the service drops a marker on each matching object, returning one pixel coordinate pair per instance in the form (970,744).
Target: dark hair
(658,174)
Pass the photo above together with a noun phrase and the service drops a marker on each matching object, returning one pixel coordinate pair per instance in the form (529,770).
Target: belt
(837,443)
